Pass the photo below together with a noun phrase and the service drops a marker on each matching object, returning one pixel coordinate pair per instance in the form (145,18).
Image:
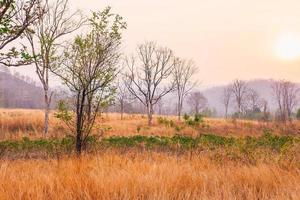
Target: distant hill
(17,93)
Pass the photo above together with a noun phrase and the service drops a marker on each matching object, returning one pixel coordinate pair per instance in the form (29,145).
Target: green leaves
(107,24)
(16,18)
(63,112)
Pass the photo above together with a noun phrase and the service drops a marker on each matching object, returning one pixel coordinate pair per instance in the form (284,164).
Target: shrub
(63,111)
(186,117)
(298,114)
(196,121)
(165,121)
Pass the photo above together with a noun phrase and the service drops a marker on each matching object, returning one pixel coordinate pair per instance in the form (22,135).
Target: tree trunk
(122,109)
(46,123)
(47,111)
(150,113)
(79,121)
(179,108)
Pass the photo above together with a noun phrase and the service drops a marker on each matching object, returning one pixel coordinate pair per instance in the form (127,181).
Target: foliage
(63,112)
(186,117)
(248,146)
(16,17)
(89,67)
(195,121)
(298,114)
(165,121)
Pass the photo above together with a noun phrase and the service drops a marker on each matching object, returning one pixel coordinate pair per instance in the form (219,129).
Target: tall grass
(29,123)
(132,175)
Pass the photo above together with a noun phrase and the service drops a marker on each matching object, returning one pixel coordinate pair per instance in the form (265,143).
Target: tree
(197,102)
(16,16)
(147,75)
(123,97)
(182,74)
(253,100)
(285,94)
(239,91)
(266,114)
(88,69)
(45,39)
(226,97)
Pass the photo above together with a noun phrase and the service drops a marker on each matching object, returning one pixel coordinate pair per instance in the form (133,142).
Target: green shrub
(165,121)
(298,114)
(186,117)
(196,121)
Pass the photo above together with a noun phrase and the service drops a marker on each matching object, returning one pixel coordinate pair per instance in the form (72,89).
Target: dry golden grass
(135,174)
(19,123)
(152,176)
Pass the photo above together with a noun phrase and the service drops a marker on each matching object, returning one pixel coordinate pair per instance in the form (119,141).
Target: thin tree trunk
(122,109)
(150,113)
(179,108)
(226,112)
(46,123)
(79,113)
(47,111)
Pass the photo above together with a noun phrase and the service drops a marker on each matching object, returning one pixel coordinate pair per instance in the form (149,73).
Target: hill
(18,93)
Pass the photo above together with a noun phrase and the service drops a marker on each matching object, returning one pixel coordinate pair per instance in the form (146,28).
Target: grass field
(217,159)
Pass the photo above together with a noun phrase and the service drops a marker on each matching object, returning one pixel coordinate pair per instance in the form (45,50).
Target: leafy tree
(88,69)
(16,16)
(45,39)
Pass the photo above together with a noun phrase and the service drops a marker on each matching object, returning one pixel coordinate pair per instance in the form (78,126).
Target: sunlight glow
(288,47)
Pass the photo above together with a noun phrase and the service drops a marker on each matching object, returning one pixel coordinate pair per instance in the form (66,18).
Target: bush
(186,117)
(165,121)
(196,121)
(298,114)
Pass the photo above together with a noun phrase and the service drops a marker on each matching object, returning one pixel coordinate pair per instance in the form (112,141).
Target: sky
(226,39)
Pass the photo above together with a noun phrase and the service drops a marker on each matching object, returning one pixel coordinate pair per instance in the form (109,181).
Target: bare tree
(285,93)
(45,39)
(226,97)
(182,74)
(89,68)
(147,76)
(239,91)
(197,102)
(16,16)
(253,99)
(264,105)
(123,97)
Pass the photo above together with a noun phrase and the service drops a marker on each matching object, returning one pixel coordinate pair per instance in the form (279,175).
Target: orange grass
(115,174)
(145,176)
(20,123)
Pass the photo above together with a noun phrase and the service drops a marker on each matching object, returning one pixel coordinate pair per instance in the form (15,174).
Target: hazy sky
(227,39)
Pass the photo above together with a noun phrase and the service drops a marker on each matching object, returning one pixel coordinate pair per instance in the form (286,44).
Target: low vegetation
(247,149)
(126,159)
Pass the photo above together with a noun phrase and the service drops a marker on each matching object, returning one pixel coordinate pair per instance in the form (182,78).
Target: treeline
(248,104)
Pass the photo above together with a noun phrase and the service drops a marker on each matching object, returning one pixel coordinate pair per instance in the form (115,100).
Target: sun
(288,47)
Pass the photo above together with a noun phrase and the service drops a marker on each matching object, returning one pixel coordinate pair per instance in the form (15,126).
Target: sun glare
(288,47)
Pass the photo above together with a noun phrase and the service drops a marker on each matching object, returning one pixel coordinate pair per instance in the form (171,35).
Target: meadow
(126,159)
